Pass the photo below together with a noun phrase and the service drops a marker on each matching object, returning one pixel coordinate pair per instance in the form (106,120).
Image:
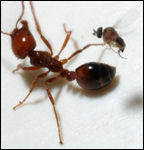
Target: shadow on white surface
(134,102)
(29,76)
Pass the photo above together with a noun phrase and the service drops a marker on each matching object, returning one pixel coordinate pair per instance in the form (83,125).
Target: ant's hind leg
(20,66)
(53,104)
(31,89)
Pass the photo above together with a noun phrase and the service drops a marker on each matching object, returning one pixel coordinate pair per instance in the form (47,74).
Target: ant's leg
(39,29)
(65,41)
(53,103)
(31,89)
(79,51)
(58,124)
(20,66)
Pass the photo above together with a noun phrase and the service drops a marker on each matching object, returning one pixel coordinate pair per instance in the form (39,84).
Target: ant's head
(22,41)
(99,32)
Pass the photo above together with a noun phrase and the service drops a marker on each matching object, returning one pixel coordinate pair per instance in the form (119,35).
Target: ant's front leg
(20,66)
(39,30)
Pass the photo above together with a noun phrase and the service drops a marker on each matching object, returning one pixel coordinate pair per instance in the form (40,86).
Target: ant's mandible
(89,76)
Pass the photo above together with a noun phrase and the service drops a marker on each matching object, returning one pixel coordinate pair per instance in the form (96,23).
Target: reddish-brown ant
(89,76)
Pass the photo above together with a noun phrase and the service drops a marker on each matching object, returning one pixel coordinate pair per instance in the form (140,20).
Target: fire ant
(89,76)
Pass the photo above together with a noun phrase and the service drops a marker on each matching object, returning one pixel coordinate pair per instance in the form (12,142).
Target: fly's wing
(128,19)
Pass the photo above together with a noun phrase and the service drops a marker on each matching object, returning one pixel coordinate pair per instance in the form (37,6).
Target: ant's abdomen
(94,75)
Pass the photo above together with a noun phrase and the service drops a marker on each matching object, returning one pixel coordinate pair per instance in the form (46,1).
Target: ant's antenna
(9,34)
(22,13)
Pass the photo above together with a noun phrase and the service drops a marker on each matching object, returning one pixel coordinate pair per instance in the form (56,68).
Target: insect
(110,35)
(89,76)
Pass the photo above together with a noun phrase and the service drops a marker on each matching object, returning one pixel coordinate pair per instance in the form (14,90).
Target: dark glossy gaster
(93,75)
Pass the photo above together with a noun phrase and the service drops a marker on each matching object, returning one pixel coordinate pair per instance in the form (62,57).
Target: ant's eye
(28,34)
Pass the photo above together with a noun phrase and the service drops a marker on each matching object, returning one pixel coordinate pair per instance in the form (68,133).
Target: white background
(109,118)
